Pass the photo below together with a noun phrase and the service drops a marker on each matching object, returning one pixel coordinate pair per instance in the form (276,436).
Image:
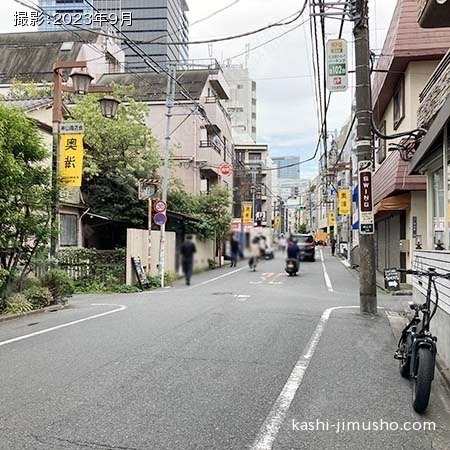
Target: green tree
(302,228)
(118,152)
(25,193)
(22,90)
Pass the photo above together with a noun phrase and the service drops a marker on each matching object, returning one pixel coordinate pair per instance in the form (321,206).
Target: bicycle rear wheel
(423,380)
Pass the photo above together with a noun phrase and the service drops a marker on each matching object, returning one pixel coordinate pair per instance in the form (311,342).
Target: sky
(286,109)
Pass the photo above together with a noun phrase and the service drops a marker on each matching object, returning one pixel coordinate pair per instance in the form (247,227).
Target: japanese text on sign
(337,74)
(71,159)
(366,217)
(344,202)
(247,213)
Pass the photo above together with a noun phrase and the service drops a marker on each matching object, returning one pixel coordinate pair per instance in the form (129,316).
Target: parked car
(305,243)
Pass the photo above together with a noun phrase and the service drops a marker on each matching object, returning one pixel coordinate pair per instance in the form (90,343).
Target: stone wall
(435,93)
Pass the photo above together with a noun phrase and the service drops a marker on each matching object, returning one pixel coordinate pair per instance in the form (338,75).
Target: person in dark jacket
(187,258)
(292,250)
(235,250)
(333,246)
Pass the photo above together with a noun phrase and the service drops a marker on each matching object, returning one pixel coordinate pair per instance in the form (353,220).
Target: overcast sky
(286,109)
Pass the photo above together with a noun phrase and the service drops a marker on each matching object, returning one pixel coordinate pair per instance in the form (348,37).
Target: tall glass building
(153,24)
(65,11)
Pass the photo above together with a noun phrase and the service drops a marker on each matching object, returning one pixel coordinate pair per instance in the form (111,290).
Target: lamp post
(81,84)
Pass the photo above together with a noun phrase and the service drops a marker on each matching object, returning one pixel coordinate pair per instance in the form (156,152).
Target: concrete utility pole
(172,73)
(367,283)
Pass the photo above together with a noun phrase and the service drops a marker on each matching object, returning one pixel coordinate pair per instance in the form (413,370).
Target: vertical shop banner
(247,213)
(344,202)
(71,159)
(331,219)
(366,215)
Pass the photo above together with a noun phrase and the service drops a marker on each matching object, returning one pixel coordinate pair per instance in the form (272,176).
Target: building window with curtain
(69,230)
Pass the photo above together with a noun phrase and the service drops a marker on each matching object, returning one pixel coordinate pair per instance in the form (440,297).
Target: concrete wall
(440,325)
(137,246)
(205,251)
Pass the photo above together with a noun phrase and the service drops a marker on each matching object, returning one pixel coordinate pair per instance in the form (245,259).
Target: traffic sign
(337,73)
(147,188)
(160,206)
(160,219)
(225,169)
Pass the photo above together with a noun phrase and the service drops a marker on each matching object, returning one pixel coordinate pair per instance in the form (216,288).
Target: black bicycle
(417,346)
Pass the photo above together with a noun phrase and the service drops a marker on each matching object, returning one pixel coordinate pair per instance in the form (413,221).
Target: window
(69,230)
(240,86)
(399,103)
(381,152)
(240,155)
(254,157)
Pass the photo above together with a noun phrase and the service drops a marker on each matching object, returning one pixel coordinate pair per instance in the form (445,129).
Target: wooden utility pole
(367,284)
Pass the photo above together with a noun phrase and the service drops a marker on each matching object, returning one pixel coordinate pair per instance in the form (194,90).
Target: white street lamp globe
(109,107)
(81,81)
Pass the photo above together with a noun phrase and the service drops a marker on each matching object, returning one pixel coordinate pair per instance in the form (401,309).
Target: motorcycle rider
(293,251)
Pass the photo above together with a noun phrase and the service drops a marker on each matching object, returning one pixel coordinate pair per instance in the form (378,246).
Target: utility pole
(172,73)
(367,283)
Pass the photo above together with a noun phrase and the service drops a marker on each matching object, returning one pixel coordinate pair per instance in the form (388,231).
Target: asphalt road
(238,360)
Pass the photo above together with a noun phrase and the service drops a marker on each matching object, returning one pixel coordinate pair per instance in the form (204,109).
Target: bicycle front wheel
(423,380)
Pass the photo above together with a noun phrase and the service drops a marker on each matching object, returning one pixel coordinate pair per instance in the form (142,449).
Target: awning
(395,203)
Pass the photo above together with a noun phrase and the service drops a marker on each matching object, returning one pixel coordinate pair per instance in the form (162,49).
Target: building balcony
(213,107)
(434,93)
(434,13)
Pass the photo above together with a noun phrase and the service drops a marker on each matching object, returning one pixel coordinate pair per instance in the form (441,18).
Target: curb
(52,308)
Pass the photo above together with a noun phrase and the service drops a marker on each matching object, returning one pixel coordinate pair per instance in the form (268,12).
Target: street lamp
(81,84)
(109,106)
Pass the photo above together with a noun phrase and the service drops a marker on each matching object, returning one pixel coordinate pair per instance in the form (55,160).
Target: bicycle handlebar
(430,272)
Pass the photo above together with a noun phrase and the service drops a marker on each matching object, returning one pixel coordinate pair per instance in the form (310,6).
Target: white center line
(325,273)
(64,325)
(271,426)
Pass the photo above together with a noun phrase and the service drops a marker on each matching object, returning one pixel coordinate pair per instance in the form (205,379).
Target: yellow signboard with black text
(331,219)
(71,159)
(277,222)
(247,213)
(344,202)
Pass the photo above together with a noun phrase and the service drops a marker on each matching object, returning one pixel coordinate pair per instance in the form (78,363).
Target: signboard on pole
(344,202)
(247,213)
(337,65)
(160,206)
(277,222)
(366,216)
(160,219)
(331,221)
(225,169)
(148,188)
(71,159)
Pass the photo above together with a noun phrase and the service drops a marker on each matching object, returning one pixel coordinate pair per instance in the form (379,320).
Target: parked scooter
(292,266)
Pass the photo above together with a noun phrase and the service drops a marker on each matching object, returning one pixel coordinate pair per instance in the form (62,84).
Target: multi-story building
(201,128)
(242,103)
(288,167)
(154,25)
(410,55)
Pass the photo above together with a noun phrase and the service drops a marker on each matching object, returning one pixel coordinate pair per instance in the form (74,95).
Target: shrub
(3,277)
(38,296)
(17,303)
(59,283)
(212,263)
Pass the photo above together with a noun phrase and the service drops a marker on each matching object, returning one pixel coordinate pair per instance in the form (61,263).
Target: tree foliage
(118,152)
(21,90)
(212,209)
(25,194)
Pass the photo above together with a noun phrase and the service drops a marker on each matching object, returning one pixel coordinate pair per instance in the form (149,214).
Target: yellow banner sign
(331,219)
(247,213)
(277,222)
(344,202)
(71,159)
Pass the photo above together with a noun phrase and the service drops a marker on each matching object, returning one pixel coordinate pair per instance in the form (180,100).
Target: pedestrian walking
(187,258)
(282,243)
(235,250)
(333,246)
(255,252)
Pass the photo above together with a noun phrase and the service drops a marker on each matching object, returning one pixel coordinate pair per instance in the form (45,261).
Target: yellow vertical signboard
(247,213)
(331,219)
(277,222)
(344,202)
(71,159)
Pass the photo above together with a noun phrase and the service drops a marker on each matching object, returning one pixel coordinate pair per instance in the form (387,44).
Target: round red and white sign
(225,169)
(160,206)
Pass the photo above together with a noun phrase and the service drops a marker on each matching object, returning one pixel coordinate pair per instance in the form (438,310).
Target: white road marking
(346,263)
(275,277)
(242,297)
(271,426)
(215,279)
(68,324)
(325,273)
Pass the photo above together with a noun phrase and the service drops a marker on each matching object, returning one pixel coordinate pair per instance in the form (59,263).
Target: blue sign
(160,219)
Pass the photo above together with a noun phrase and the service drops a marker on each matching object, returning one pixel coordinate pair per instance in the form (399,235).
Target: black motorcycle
(292,266)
